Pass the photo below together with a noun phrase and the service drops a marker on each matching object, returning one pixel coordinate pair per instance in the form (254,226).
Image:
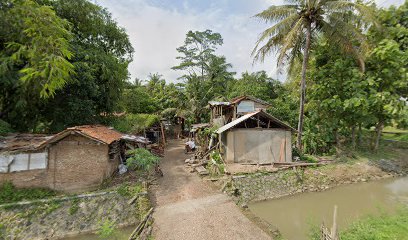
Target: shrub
(106,229)
(141,159)
(74,207)
(5,128)
(134,123)
(128,190)
(9,193)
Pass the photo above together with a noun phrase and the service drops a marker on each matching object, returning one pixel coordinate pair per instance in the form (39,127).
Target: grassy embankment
(10,194)
(381,226)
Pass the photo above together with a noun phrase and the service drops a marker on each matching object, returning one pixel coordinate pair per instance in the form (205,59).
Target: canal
(294,215)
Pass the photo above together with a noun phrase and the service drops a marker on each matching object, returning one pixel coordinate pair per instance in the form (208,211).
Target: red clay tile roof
(29,142)
(98,132)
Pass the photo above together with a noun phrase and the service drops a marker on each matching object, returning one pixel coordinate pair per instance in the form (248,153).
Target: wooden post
(282,152)
(334,228)
(162,131)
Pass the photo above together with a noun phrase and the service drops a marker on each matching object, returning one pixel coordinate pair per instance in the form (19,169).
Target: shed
(76,159)
(256,138)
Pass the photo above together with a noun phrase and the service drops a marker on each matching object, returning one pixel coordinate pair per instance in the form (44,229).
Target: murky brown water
(293,215)
(119,234)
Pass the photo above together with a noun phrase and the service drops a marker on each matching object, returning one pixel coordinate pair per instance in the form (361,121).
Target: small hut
(256,138)
(76,159)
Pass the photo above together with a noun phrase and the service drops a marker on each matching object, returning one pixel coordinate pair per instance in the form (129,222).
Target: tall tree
(298,23)
(99,52)
(197,51)
(206,75)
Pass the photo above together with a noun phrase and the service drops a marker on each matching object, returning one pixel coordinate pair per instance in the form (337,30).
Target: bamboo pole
(334,228)
(141,225)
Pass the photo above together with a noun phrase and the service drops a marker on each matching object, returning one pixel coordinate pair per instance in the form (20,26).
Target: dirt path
(189,208)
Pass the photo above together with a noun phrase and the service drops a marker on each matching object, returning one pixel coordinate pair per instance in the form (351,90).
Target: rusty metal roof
(241,98)
(22,142)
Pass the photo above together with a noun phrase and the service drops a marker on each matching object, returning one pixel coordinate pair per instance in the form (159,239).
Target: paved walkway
(189,208)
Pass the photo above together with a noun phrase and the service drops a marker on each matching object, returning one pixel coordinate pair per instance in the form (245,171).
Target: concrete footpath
(189,208)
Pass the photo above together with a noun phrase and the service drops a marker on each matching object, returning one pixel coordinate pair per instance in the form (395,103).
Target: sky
(157,27)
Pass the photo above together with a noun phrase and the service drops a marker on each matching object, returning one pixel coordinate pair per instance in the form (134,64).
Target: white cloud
(156,28)
(156,31)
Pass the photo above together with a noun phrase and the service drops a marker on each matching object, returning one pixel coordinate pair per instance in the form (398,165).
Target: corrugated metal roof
(195,127)
(252,114)
(235,122)
(22,142)
(240,98)
(215,103)
(135,138)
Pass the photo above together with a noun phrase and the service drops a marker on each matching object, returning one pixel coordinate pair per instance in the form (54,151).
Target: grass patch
(106,229)
(9,193)
(128,190)
(74,206)
(384,226)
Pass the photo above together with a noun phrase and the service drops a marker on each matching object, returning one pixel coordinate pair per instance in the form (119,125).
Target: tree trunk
(338,144)
(378,129)
(303,86)
(360,135)
(353,137)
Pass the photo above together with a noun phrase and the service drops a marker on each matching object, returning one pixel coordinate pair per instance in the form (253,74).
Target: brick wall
(31,178)
(78,163)
(75,163)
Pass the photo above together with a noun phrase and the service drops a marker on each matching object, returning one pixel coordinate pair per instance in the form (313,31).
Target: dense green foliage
(34,48)
(89,77)
(5,128)
(299,24)
(134,123)
(343,103)
(9,193)
(141,159)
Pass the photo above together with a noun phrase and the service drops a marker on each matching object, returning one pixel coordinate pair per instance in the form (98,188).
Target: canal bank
(70,216)
(295,215)
(252,187)
(290,200)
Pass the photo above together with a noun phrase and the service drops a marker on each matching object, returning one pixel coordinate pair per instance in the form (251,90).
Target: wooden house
(248,134)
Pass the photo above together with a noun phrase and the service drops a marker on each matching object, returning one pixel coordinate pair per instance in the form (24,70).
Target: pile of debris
(197,165)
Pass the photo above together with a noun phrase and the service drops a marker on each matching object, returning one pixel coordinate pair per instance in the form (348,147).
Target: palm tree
(299,22)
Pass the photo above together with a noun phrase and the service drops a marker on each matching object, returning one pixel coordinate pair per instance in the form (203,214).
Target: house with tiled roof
(76,159)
